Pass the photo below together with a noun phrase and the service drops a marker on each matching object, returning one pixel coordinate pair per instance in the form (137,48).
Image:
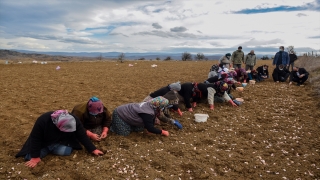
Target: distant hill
(73,56)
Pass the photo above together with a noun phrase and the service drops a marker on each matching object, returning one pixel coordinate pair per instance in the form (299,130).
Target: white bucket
(201,117)
(252,81)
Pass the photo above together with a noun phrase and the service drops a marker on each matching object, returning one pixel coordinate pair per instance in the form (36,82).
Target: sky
(206,26)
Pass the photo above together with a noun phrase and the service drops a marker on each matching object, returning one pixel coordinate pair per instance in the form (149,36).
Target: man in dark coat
(299,75)
(262,73)
(280,74)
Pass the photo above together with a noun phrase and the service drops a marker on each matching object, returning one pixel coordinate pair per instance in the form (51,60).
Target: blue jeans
(56,149)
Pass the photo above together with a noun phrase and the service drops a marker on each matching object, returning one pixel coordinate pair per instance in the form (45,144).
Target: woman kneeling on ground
(135,117)
(58,133)
(95,117)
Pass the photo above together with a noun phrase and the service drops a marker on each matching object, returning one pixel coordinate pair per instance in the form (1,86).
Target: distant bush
(167,58)
(121,57)
(186,56)
(199,56)
(142,58)
(158,59)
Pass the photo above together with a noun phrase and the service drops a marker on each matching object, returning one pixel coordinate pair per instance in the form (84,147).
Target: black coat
(160,92)
(186,92)
(293,58)
(262,72)
(277,73)
(45,133)
(301,71)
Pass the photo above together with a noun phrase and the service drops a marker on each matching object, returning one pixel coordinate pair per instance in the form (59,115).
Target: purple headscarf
(64,121)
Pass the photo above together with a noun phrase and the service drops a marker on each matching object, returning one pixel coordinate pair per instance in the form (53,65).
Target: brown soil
(273,135)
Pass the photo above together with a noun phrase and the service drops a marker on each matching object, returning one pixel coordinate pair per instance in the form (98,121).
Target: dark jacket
(89,121)
(262,72)
(204,91)
(293,58)
(241,72)
(300,71)
(160,92)
(277,73)
(45,133)
(186,92)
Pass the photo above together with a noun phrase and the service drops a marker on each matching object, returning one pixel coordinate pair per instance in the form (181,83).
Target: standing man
(250,60)
(237,58)
(281,57)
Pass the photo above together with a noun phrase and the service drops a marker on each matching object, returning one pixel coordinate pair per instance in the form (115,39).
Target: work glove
(93,136)
(97,152)
(211,106)
(104,132)
(179,111)
(190,110)
(245,81)
(164,133)
(194,104)
(33,162)
(232,103)
(177,123)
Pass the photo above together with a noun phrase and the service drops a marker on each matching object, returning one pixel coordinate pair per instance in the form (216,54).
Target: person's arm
(36,138)
(163,118)
(232,58)
(226,96)
(305,72)
(81,135)
(211,93)
(255,60)
(148,121)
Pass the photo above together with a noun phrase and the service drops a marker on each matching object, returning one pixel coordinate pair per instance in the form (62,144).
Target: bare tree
(199,56)
(142,58)
(158,59)
(121,57)
(100,57)
(186,56)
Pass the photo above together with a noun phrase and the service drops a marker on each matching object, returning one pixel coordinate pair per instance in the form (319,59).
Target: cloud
(254,42)
(115,34)
(199,31)
(156,26)
(178,29)
(301,14)
(314,37)
(70,39)
(165,34)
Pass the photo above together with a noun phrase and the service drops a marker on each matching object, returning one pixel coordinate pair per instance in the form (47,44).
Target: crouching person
(162,91)
(280,74)
(95,117)
(298,75)
(135,117)
(263,73)
(58,133)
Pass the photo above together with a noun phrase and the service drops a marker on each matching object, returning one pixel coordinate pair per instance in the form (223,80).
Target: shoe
(298,84)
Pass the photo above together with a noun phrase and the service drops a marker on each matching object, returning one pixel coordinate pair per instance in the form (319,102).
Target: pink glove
(180,113)
(190,110)
(33,162)
(104,132)
(194,104)
(211,106)
(97,152)
(245,81)
(93,136)
(232,103)
(164,133)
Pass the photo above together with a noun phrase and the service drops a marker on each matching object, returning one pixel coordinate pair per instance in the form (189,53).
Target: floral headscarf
(159,102)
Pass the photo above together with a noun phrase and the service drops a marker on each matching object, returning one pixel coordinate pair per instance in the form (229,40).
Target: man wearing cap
(237,58)
(225,60)
(281,57)
(95,117)
(55,132)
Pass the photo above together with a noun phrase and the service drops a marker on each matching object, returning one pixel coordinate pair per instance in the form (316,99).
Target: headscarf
(159,102)
(64,121)
(175,86)
(95,106)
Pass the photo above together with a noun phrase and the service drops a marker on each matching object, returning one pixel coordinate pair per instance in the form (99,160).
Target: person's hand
(190,110)
(97,152)
(93,136)
(104,132)
(301,75)
(164,133)
(33,162)
(177,123)
(232,103)
(290,83)
(245,81)
(179,112)
(277,81)
(194,104)
(211,106)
